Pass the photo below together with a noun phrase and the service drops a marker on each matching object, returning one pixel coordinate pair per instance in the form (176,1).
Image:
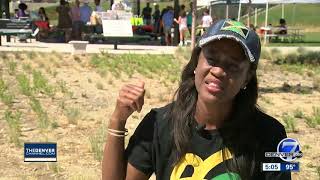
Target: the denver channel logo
(288,150)
(40,152)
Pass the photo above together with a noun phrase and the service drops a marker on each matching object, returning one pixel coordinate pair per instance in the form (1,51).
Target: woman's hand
(130,99)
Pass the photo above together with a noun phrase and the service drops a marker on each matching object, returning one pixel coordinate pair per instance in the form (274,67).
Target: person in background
(42,25)
(64,19)
(167,21)
(206,20)
(282,28)
(156,19)
(182,21)
(98,7)
(85,12)
(43,15)
(146,13)
(22,10)
(16,13)
(189,18)
(76,20)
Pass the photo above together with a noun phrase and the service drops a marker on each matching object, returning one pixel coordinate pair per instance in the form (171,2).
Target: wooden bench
(15,27)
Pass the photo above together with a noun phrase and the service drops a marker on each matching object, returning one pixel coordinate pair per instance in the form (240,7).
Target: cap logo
(236,27)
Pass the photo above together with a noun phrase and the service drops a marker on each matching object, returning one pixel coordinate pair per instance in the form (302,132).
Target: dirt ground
(92,98)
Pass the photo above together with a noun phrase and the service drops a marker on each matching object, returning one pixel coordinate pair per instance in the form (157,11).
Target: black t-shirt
(146,12)
(150,149)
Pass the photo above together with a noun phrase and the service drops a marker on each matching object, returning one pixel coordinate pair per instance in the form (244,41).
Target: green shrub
(41,113)
(289,123)
(96,141)
(309,58)
(13,120)
(298,113)
(73,114)
(24,84)
(40,83)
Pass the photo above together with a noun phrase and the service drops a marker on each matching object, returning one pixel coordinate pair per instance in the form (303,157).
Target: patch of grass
(77,58)
(54,125)
(27,67)
(96,141)
(110,81)
(24,84)
(73,114)
(313,120)
(306,147)
(41,113)
(161,65)
(31,54)
(5,96)
(12,66)
(3,55)
(310,58)
(184,53)
(54,167)
(298,113)
(318,171)
(266,100)
(17,55)
(289,123)
(57,55)
(99,85)
(40,83)
(316,83)
(63,86)
(13,120)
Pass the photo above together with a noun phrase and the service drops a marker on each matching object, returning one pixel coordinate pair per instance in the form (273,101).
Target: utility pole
(249,13)
(194,20)
(176,37)
(7,11)
(138,7)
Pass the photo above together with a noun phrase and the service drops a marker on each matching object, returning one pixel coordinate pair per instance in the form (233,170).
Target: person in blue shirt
(167,20)
(85,12)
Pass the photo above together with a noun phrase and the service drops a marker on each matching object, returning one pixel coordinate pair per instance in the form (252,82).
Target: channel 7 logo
(288,150)
(291,149)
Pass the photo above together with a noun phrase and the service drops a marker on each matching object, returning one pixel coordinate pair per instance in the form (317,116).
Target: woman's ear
(248,78)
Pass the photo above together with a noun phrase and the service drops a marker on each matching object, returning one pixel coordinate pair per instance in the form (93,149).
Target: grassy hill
(306,16)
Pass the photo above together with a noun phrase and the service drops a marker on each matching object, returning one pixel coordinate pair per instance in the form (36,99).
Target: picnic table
(293,35)
(15,27)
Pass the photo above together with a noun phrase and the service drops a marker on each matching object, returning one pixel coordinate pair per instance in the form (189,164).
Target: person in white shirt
(98,7)
(206,20)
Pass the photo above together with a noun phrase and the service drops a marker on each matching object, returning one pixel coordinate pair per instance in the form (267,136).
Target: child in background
(206,20)
(182,21)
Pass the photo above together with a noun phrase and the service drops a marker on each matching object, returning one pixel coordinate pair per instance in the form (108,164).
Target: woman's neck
(212,115)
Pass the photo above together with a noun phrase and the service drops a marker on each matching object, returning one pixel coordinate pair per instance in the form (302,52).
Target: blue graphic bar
(40,152)
(292,167)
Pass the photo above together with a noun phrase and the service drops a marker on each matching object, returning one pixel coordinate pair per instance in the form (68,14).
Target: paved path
(91,48)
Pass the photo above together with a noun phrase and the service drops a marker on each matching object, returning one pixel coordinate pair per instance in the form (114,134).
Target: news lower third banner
(40,152)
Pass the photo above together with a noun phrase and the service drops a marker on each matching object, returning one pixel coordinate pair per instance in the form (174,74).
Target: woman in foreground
(212,130)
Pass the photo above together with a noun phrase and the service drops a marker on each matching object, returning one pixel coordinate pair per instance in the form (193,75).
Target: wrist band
(118,133)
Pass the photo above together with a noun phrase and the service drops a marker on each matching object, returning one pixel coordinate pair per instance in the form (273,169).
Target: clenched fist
(131,98)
